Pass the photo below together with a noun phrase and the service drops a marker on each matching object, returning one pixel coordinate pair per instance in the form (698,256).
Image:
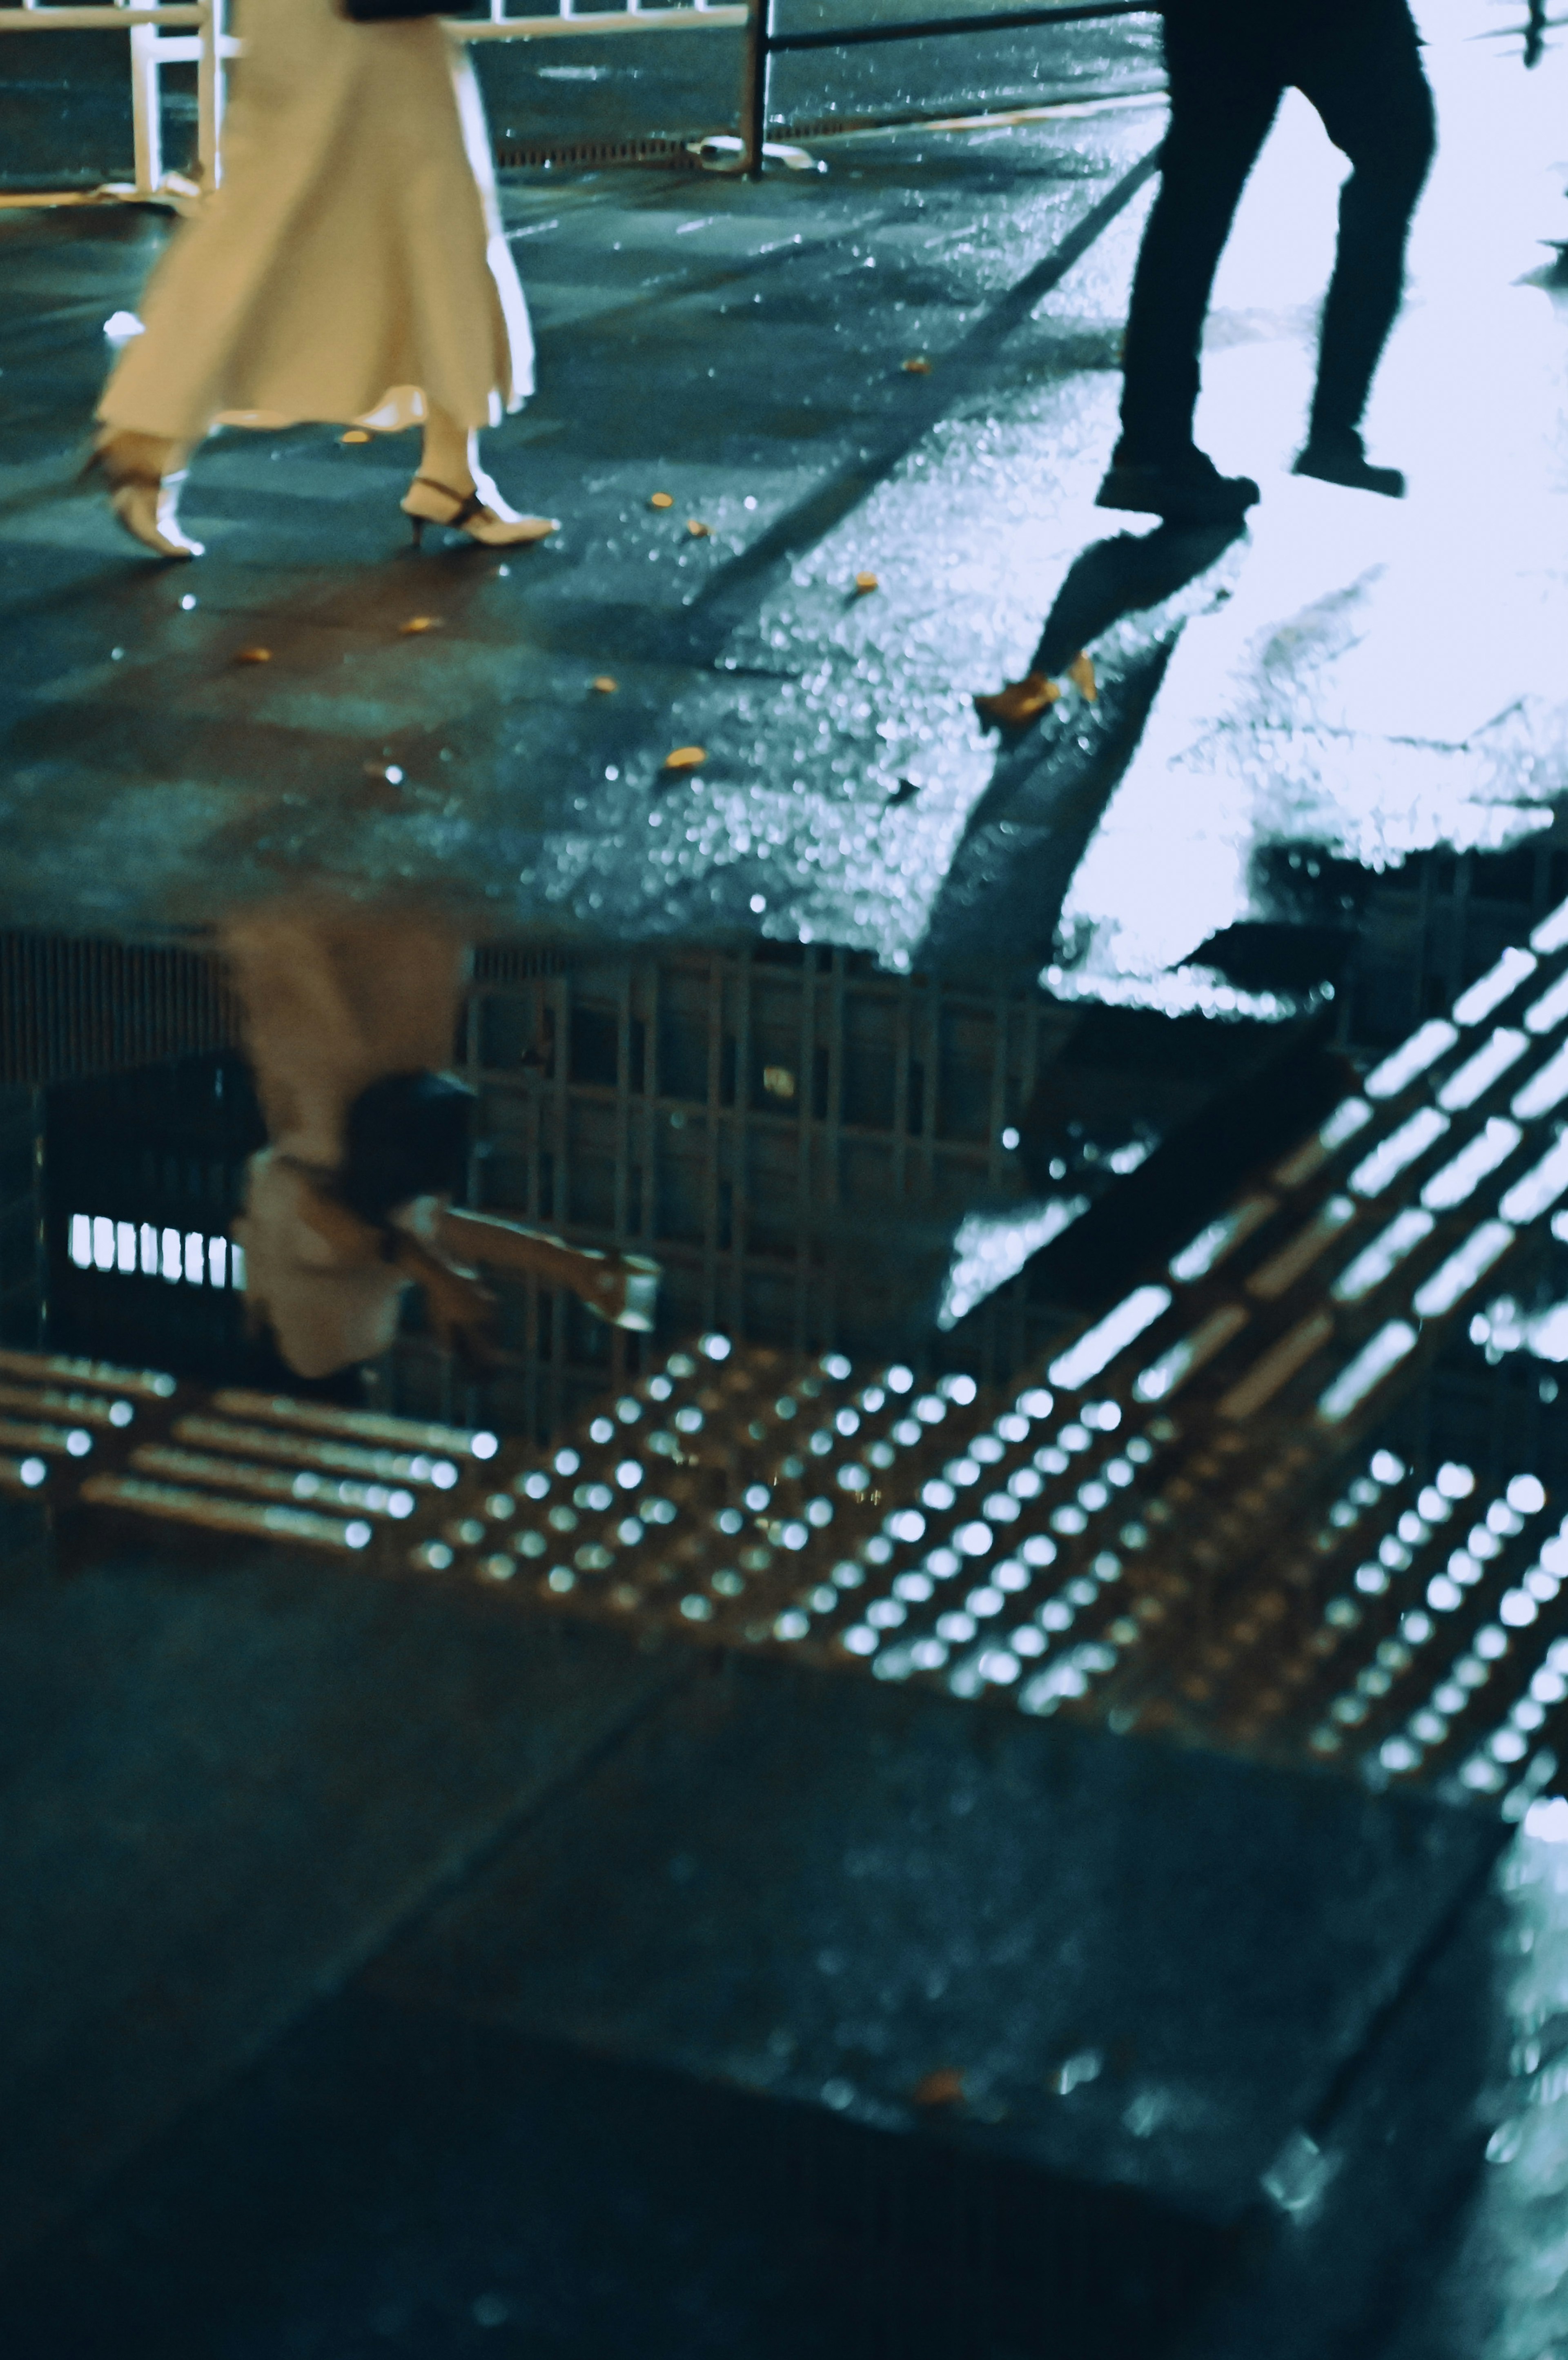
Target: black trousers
(1229,63)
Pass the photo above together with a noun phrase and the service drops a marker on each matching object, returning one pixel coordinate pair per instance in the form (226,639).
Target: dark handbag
(381,12)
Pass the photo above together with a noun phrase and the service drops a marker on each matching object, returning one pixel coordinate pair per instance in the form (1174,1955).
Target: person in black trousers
(1229,63)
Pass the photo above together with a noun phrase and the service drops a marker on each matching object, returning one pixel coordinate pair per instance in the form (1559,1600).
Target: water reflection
(349,1019)
(818,1155)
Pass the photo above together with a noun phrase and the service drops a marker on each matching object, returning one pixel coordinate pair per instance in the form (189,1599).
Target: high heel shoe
(624,1292)
(1021,702)
(481,513)
(145,502)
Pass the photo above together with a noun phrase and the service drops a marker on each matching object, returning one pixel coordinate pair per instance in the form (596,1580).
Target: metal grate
(21,1216)
(73,1006)
(794,1136)
(1425,930)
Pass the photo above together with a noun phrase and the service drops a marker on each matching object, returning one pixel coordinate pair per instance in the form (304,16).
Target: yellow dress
(333,1000)
(351,265)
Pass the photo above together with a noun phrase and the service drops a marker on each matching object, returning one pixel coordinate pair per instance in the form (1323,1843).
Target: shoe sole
(1389,491)
(1178,510)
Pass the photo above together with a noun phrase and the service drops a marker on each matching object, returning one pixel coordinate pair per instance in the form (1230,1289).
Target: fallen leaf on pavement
(1020,701)
(686,758)
(945,2087)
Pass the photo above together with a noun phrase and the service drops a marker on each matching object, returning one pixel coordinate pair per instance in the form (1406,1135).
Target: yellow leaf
(917,365)
(253,655)
(663,501)
(1020,701)
(420,623)
(1080,671)
(698,530)
(355,434)
(604,686)
(686,758)
(945,2087)
(865,584)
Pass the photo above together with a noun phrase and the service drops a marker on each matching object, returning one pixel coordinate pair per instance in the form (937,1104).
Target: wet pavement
(1334,694)
(857,1015)
(833,723)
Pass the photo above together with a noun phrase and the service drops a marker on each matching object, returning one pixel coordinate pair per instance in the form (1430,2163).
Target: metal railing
(762,45)
(183,32)
(192,32)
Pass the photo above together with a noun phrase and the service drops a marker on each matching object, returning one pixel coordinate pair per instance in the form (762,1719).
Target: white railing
(192,32)
(184,32)
(633,18)
(158,37)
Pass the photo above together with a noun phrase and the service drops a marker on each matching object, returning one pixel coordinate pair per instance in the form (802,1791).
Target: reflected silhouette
(349,1022)
(996,906)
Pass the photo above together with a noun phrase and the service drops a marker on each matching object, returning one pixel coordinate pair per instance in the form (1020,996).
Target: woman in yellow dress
(349,1021)
(351,268)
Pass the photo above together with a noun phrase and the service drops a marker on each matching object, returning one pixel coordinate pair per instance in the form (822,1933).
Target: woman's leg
(450,453)
(452,489)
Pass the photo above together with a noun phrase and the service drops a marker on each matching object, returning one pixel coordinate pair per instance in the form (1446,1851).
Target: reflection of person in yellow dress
(351,268)
(349,1021)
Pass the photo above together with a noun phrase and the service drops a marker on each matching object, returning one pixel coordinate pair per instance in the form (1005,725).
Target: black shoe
(1188,489)
(1336,454)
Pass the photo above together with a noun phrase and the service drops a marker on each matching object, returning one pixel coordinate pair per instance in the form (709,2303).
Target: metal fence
(182,32)
(186,32)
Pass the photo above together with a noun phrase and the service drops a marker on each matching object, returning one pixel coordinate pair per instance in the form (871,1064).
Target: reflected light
(992,1247)
(1110,1336)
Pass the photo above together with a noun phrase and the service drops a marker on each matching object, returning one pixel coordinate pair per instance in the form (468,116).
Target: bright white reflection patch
(1463,1176)
(1505,1326)
(1211,1246)
(1544,1090)
(1383,1256)
(1545,1014)
(992,1247)
(1392,1155)
(1478,1074)
(1368,1369)
(1173,1368)
(1455,1277)
(1529,1197)
(1422,1049)
(1185,991)
(1473,1007)
(1100,1346)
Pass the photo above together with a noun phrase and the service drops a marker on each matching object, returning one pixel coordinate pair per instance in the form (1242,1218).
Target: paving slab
(224,1784)
(1137,1968)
